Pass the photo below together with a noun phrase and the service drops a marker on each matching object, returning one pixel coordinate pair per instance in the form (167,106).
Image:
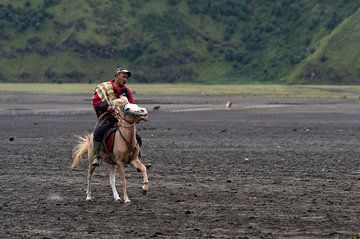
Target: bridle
(118,115)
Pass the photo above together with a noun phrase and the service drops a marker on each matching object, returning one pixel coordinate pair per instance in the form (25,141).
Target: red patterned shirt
(108,91)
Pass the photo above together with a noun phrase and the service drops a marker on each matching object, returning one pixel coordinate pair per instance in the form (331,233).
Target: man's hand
(111,108)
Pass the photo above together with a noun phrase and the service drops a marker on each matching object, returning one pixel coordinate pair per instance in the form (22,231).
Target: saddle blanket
(109,139)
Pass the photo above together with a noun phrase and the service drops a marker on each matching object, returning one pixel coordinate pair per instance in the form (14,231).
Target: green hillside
(218,41)
(336,59)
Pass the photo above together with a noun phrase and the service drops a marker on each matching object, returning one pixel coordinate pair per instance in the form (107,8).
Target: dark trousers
(103,124)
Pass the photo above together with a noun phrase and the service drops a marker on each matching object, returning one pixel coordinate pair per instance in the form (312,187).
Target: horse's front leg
(121,168)
(112,182)
(136,163)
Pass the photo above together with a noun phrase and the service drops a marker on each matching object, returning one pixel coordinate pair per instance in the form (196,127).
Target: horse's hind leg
(138,165)
(90,172)
(88,189)
(112,182)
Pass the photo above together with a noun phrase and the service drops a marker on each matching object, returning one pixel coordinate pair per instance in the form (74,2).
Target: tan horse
(125,150)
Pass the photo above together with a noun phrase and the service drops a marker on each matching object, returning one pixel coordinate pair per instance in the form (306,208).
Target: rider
(104,94)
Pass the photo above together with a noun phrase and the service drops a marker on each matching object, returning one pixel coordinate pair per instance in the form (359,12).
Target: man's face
(122,78)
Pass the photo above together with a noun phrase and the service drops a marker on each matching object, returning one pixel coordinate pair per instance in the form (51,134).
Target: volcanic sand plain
(264,168)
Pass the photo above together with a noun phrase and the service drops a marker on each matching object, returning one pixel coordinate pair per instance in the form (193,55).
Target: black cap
(122,70)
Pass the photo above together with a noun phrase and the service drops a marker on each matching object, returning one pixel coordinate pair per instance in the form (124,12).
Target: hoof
(127,202)
(144,192)
(88,199)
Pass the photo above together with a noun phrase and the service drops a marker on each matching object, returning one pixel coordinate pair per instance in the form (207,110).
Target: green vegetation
(197,41)
(253,90)
(337,58)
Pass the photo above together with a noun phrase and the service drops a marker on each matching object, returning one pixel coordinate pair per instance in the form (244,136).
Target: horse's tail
(80,149)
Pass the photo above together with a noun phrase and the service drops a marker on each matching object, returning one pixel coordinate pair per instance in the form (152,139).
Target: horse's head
(129,112)
(134,112)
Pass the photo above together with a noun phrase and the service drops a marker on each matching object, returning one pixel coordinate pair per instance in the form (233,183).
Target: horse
(125,148)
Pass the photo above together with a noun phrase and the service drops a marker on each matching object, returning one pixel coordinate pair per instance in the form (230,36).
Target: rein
(120,113)
(132,147)
(120,118)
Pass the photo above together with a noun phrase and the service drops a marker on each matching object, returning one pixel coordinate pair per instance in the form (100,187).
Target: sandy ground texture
(265,168)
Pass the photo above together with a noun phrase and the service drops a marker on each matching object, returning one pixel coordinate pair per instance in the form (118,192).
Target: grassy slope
(337,59)
(60,61)
(185,55)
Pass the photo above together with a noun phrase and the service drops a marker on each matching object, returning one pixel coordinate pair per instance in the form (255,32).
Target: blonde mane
(120,101)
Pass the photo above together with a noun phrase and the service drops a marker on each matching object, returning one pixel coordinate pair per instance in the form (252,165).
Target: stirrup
(96,162)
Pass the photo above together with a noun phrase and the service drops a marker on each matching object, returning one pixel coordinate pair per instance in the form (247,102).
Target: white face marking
(134,108)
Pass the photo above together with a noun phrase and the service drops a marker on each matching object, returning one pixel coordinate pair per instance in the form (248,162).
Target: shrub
(210,47)
(49,3)
(173,2)
(323,58)
(331,24)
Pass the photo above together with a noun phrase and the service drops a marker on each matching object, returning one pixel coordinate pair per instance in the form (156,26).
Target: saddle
(108,145)
(108,141)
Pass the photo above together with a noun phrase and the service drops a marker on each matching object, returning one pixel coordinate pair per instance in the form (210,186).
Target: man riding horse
(104,94)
